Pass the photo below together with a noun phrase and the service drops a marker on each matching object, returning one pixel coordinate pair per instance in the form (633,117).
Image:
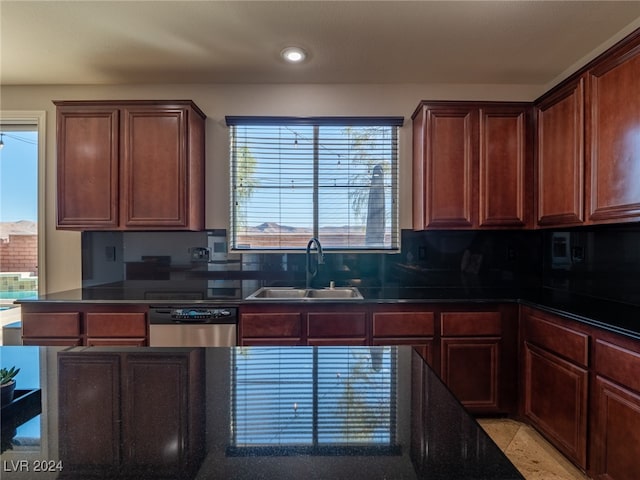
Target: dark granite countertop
(618,317)
(329,412)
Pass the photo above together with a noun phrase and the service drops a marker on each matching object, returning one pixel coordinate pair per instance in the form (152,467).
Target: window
(313,400)
(333,178)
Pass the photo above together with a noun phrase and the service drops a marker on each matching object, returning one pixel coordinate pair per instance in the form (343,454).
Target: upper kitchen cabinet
(506,163)
(133,165)
(560,157)
(445,151)
(471,165)
(613,135)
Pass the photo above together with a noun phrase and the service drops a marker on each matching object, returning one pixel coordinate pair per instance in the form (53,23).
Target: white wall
(62,249)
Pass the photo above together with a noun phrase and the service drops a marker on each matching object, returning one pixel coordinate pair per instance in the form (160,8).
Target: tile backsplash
(429,258)
(596,261)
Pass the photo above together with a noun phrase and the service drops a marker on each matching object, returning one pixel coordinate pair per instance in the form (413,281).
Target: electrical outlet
(199,254)
(577,254)
(110,254)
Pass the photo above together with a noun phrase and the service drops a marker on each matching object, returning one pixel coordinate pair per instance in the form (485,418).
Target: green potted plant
(7,384)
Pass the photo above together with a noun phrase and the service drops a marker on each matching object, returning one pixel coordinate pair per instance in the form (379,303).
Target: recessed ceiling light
(293,54)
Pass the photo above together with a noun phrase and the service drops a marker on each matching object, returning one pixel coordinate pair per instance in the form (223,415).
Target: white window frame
(393,214)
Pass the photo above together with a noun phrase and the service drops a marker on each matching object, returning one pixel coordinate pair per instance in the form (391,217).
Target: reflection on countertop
(269,412)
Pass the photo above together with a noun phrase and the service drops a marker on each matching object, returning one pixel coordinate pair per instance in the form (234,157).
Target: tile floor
(532,455)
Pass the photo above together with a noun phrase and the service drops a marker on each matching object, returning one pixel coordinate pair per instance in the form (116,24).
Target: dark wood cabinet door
(89,413)
(134,164)
(163,413)
(615,427)
(92,325)
(616,434)
(87,167)
(424,346)
(114,325)
(505,166)
(271,342)
(50,324)
(140,415)
(555,335)
(155,419)
(470,367)
(115,342)
(613,145)
(400,325)
(445,157)
(560,156)
(403,323)
(51,341)
(555,401)
(337,324)
(154,167)
(270,328)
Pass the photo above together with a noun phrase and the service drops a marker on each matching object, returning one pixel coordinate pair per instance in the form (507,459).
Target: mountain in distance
(273,227)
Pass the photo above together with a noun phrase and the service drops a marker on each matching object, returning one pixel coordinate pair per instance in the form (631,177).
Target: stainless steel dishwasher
(192,326)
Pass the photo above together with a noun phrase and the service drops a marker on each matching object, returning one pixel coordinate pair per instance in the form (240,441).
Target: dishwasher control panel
(193,314)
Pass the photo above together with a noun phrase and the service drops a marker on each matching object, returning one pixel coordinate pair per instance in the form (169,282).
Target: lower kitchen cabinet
(50,328)
(615,430)
(471,369)
(136,414)
(90,393)
(337,326)
(405,326)
(616,443)
(555,381)
(474,350)
(276,324)
(470,358)
(84,324)
(269,326)
(556,401)
(116,328)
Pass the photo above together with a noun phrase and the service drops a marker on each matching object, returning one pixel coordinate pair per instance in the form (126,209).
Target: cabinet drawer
(462,324)
(274,325)
(403,324)
(567,343)
(116,324)
(57,324)
(331,324)
(337,342)
(618,364)
(52,341)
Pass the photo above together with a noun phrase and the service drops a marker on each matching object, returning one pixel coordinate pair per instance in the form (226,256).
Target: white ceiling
(464,42)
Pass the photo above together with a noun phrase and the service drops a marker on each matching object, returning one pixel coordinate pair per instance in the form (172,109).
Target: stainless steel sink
(308,294)
(278,293)
(328,293)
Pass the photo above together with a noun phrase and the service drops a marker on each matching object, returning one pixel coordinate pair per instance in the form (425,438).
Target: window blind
(331,178)
(313,399)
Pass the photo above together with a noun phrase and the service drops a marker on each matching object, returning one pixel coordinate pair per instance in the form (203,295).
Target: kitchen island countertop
(315,412)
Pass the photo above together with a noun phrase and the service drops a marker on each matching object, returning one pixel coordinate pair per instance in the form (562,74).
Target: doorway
(21,212)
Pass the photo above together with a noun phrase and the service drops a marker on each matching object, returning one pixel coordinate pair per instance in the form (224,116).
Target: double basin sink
(311,294)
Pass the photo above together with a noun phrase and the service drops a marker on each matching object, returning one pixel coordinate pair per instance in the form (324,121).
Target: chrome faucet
(312,274)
